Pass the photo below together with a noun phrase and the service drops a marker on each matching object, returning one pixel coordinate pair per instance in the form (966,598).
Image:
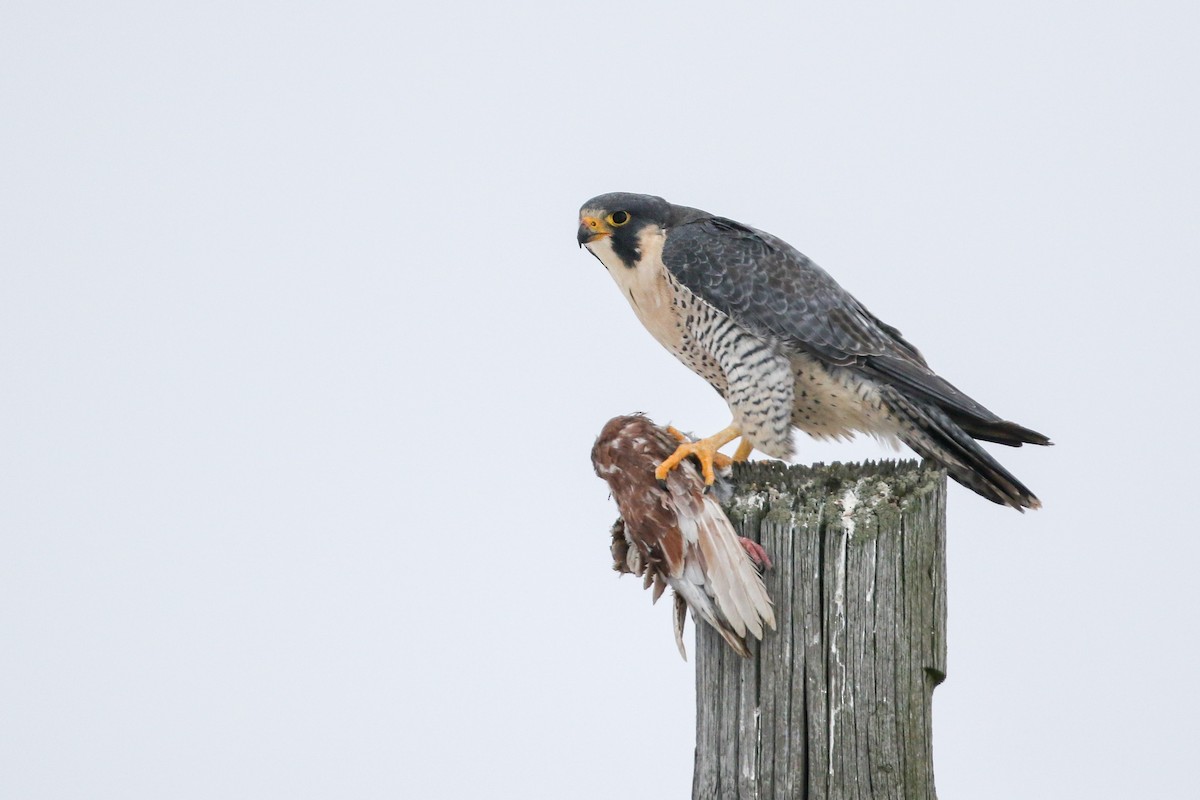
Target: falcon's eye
(618,218)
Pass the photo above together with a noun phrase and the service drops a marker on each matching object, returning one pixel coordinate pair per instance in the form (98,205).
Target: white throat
(646,285)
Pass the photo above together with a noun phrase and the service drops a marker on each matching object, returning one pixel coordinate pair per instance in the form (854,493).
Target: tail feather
(705,607)
(912,377)
(717,579)
(934,435)
(734,580)
(1001,432)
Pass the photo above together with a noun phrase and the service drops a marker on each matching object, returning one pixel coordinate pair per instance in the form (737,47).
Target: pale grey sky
(302,367)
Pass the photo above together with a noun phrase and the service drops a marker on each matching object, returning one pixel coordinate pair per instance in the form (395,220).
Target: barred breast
(672,314)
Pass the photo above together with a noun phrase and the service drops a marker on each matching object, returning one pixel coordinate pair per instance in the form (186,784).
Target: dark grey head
(623,216)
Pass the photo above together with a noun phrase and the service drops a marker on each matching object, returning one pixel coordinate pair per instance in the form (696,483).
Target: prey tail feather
(704,607)
(934,435)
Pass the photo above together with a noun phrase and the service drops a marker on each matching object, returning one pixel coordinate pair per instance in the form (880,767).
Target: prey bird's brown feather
(675,533)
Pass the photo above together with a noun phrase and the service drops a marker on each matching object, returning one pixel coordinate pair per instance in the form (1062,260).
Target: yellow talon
(743,452)
(719,460)
(705,451)
(677,434)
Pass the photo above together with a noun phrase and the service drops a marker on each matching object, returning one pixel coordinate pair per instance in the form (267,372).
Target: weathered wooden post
(837,702)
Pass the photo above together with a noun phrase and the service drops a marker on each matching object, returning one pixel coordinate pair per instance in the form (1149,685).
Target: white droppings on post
(749,502)
(849,503)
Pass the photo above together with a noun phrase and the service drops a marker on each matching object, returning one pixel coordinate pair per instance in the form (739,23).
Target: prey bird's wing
(776,292)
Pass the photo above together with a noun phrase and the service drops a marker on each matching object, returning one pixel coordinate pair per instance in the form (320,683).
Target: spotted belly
(836,402)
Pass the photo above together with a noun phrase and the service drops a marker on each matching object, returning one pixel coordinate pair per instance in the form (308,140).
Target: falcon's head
(620,218)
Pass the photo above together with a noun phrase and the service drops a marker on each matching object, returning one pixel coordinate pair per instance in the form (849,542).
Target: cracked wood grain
(837,702)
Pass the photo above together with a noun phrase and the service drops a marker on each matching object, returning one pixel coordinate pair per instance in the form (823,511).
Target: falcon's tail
(935,436)
(1001,432)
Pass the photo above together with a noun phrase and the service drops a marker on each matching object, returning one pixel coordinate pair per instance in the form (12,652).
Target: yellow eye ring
(617,218)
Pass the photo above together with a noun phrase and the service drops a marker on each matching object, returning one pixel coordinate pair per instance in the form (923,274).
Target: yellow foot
(705,451)
(743,452)
(719,460)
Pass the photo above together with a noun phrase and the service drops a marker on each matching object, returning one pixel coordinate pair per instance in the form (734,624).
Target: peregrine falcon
(785,345)
(675,533)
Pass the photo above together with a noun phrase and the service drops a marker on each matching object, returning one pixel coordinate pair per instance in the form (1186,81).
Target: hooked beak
(591,229)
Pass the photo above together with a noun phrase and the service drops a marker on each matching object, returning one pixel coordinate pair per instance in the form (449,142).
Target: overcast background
(301,368)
